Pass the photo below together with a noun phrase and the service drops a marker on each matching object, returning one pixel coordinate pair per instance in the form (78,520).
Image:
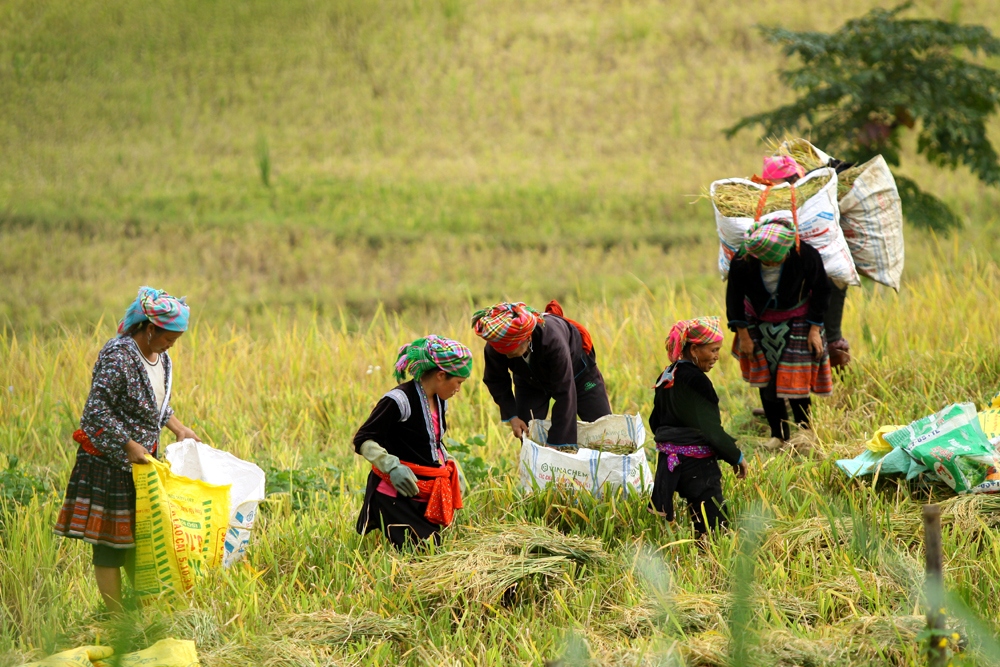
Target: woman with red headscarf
(548,357)
(688,429)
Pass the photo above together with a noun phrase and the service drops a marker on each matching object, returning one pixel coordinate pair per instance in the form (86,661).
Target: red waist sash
(444,490)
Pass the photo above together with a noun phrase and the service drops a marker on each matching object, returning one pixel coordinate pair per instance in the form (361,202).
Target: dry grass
(738,200)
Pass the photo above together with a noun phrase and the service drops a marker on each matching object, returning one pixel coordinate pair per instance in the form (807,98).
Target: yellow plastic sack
(878,443)
(989,419)
(164,653)
(180,527)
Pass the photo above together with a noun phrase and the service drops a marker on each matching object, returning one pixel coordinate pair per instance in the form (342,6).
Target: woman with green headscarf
(776,299)
(413,488)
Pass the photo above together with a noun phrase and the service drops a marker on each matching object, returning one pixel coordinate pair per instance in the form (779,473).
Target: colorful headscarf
(505,325)
(699,331)
(158,307)
(780,167)
(769,241)
(433,353)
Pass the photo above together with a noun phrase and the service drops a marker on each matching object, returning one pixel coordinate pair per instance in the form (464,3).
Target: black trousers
(699,482)
(834,314)
(400,519)
(777,414)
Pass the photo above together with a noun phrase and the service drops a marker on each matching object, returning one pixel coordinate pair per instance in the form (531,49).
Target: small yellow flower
(955,636)
(943,642)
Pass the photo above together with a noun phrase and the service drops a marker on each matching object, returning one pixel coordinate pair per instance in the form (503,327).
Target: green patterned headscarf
(769,242)
(433,353)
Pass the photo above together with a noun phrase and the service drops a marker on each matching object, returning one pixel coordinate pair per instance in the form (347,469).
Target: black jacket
(402,425)
(802,277)
(687,413)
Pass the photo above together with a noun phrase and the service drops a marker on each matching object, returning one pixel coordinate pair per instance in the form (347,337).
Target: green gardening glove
(402,478)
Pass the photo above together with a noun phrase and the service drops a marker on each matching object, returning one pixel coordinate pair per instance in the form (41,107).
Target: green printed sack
(952,444)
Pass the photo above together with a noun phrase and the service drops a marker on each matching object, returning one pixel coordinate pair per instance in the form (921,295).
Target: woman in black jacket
(688,428)
(776,298)
(413,487)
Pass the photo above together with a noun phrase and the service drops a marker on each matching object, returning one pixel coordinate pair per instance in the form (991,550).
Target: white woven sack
(872,220)
(819,226)
(587,470)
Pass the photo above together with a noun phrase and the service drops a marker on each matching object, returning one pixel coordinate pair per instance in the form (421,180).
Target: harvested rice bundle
(740,200)
(846,178)
(491,562)
(799,150)
(329,627)
(534,539)
(610,446)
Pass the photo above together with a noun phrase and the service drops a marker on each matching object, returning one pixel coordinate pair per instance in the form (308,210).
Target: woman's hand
(741,469)
(746,342)
(135,452)
(180,430)
(815,342)
(518,426)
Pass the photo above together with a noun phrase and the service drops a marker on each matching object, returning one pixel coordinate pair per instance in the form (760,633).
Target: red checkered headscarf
(506,325)
(699,331)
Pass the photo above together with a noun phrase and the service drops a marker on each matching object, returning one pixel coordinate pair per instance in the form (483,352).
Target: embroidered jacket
(121,405)
(401,423)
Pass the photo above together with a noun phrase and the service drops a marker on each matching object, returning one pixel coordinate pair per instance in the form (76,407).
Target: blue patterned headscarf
(158,307)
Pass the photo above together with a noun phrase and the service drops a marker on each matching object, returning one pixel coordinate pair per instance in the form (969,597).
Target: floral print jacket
(121,405)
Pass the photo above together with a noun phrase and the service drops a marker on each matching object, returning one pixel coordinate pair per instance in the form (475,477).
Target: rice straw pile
(739,200)
(328,627)
(846,178)
(493,562)
(799,150)
(623,447)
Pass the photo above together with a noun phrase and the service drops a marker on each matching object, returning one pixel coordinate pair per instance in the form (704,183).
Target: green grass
(329,179)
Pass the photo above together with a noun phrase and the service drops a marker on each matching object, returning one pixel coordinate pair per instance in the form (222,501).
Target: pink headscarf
(781,167)
(699,331)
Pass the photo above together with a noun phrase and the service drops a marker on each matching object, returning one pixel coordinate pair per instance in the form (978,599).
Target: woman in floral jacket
(128,406)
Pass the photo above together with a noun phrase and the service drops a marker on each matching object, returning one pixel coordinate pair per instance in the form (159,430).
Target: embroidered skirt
(782,359)
(100,504)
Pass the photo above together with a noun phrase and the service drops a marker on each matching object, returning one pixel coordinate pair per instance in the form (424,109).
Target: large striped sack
(180,527)
(818,222)
(872,220)
(587,470)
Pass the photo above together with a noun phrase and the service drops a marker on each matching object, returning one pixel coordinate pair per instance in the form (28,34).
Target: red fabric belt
(84,441)
(444,490)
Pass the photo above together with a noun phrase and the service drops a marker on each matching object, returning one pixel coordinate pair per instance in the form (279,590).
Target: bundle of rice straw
(612,446)
(846,178)
(740,200)
(799,150)
(492,562)
(329,627)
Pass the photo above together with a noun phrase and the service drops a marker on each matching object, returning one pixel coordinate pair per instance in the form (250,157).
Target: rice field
(329,179)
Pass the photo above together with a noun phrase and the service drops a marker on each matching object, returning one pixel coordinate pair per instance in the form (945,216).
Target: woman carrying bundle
(688,428)
(776,298)
(784,168)
(413,488)
(128,406)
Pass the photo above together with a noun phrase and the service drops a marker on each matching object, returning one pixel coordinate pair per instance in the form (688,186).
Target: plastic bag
(872,219)
(952,444)
(164,653)
(180,526)
(206,463)
(587,469)
(819,226)
(877,443)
